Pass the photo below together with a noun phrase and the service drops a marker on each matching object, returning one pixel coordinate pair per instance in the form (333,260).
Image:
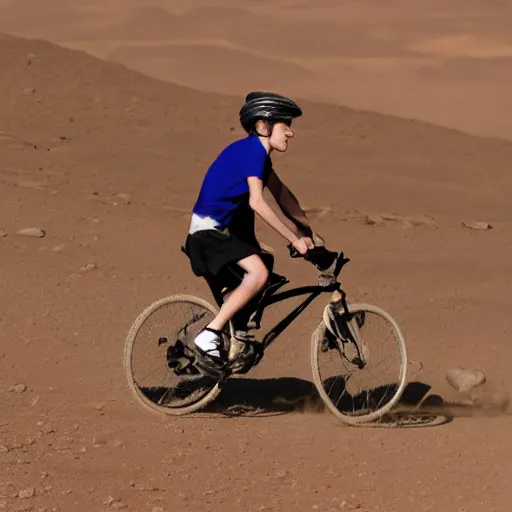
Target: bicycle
(341,341)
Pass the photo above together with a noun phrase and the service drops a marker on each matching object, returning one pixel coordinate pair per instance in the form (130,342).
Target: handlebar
(322,258)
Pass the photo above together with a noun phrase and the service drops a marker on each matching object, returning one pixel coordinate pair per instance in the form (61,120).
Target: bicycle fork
(345,329)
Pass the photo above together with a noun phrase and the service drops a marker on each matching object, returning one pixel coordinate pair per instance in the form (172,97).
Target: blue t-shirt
(225,190)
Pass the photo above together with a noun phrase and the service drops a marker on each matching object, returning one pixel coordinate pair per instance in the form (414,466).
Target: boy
(221,238)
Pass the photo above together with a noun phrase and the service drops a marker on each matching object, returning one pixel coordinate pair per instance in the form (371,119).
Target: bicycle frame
(313,291)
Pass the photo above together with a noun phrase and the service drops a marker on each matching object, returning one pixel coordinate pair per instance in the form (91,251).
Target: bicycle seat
(274,282)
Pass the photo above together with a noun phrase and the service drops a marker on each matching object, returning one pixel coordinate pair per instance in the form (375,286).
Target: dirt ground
(107,161)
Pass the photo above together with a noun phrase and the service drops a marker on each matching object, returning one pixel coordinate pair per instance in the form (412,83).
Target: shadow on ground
(254,397)
(269,397)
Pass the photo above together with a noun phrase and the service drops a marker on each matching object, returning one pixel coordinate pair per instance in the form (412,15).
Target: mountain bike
(358,353)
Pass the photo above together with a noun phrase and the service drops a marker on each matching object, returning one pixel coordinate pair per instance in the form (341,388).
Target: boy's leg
(255,277)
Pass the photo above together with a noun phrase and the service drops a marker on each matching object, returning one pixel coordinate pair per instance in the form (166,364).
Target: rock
(48,429)
(3,448)
(34,401)
(27,493)
(392,217)
(124,197)
(158,509)
(19,388)
(58,248)
(2,234)
(114,503)
(34,185)
(464,380)
(88,267)
(31,232)
(374,220)
(477,225)
(28,91)
(282,473)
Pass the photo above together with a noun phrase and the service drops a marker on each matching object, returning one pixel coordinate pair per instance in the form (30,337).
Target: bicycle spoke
(150,374)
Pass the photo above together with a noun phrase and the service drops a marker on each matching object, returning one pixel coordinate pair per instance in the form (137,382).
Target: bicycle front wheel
(360,374)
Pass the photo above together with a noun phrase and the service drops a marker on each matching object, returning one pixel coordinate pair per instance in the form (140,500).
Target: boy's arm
(258,203)
(289,205)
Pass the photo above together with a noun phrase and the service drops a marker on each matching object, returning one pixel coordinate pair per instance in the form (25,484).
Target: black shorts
(214,255)
(210,250)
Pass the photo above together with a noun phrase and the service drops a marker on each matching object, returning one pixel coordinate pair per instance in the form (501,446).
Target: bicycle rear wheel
(360,374)
(158,357)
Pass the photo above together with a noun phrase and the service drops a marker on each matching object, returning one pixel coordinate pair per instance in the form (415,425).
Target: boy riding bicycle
(221,242)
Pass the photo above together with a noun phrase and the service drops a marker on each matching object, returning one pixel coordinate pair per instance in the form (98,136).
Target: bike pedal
(244,352)
(244,362)
(211,369)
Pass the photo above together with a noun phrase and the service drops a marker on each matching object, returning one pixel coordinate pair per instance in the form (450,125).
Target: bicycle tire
(317,338)
(128,351)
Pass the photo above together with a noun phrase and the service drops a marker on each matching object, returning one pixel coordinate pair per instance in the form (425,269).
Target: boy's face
(281,132)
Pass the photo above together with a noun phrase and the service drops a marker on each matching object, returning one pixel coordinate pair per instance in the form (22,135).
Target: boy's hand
(309,242)
(302,245)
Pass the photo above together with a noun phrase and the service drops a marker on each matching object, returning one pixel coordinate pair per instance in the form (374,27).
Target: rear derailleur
(180,358)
